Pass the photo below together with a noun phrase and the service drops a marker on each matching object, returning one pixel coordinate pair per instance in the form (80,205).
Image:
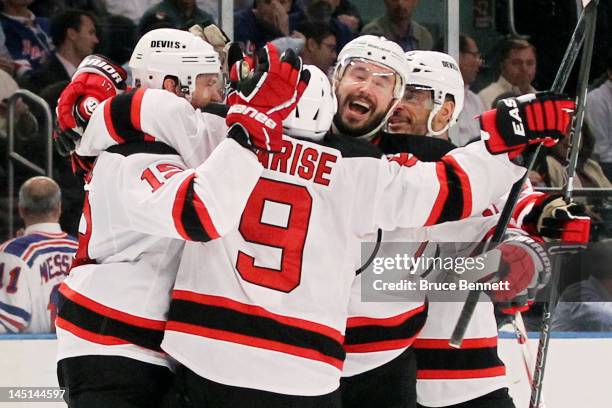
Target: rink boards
(577,374)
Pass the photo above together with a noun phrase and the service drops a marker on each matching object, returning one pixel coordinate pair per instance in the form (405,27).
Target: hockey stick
(549,307)
(569,58)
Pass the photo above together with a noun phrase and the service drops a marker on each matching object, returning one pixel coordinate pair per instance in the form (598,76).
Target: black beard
(358,132)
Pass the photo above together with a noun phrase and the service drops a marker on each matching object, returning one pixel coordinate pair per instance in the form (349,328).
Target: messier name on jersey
(300,160)
(57,265)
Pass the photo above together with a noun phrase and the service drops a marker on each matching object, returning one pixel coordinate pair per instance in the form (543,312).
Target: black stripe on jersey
(220,318)
(453,206)
(375,333)
(217,109)
(457,359)
(189,219)
(94,322)
(120,112)
(129,149)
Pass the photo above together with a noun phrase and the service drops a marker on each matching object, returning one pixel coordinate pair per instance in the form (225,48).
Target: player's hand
(526,267)
(528,119)
(95,80)
(561,221)
(266,97)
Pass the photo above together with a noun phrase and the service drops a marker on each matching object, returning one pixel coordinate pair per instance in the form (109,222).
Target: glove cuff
(496,142)
(99,64)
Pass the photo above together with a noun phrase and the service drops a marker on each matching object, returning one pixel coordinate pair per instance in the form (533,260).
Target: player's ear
(169,84)
(446,111)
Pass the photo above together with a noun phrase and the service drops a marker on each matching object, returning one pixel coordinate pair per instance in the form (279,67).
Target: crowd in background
(43,41)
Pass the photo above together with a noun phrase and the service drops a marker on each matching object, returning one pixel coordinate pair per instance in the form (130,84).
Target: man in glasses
(470,62)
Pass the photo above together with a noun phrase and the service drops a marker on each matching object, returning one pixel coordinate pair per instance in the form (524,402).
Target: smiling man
(368,85)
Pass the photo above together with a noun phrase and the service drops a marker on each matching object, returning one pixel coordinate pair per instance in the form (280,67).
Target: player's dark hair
(316,30)
(70,18)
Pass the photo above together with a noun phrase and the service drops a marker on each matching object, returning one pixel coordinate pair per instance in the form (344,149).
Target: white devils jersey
(32,267)
(265,307)
(379,332)
(141,202)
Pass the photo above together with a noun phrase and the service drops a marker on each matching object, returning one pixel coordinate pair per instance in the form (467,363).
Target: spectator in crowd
(26,125)
(266,21)
(182,13)
(397,25)
(51,8)
(27,36)
(588,171)
(322,11)
(319,44)
(586,306)
(133,9)
(553,172)
(518,69)
(74,34)
(348,14)
(6,62)
(599,116)
(35,263)
(470,62)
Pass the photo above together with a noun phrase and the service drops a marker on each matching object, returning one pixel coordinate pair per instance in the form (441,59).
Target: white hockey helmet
(439,73)
(167,51)
(378,50)
(314,112)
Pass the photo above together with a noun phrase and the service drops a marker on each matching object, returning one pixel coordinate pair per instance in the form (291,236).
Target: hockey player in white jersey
(143,201)
(33,266)
(281,161)
(378,361)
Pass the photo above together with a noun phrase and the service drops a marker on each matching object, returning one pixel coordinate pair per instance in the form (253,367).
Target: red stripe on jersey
(466,188)
(384,321)
(253,342)
(87,335)
(438,206)
(204,216)
(39,245)
(135,108)
(220,301)
(110,312)
(524,202)
(108,121)
(14,323)
(179,204)
(466,344)
(461,374)
(383,345)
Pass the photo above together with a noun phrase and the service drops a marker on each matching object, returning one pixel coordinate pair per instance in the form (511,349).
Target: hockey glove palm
(529,119)
(95,80)
(566,222)
(265,98)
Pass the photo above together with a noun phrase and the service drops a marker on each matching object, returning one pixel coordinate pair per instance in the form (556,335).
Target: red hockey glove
(526,268)
(95,80)
(264,99)
(529,119)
